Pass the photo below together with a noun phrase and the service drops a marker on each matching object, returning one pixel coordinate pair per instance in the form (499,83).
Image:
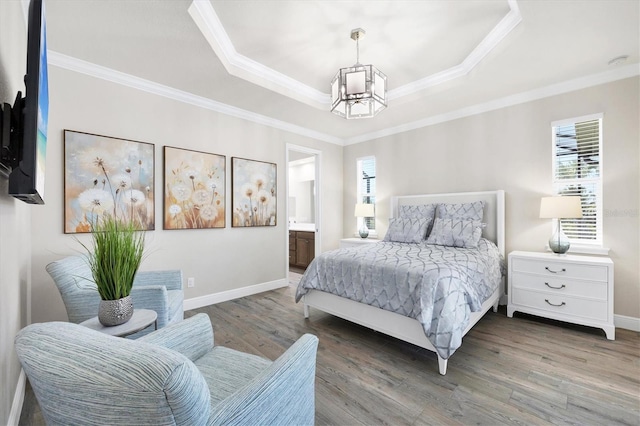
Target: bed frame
(399,326)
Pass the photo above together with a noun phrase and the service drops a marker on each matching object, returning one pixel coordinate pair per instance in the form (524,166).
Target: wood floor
(520,370)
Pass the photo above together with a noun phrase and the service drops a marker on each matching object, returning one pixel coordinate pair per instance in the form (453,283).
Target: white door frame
(318,187)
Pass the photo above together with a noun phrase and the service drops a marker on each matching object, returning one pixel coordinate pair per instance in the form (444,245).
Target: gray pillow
(407,230)
(467,211)
(455,233)
(426,211)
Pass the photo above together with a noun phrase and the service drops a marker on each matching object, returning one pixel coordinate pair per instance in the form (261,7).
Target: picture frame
(254,193)
(194,189)
(105,175)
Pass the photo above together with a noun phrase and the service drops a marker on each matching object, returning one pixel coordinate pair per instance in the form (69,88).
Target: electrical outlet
(191,282)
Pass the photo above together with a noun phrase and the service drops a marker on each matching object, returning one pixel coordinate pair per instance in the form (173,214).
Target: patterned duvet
(438,286)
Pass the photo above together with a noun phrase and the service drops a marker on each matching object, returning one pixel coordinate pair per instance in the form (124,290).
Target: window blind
(577,171)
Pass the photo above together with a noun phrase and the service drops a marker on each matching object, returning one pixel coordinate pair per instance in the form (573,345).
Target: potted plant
(118,248)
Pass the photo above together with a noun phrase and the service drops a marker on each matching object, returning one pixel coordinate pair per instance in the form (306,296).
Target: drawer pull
(553,304)
(555,272)
(555,288)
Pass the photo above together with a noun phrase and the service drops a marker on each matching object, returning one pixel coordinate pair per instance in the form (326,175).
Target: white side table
(576,289)
(356,242)
(141,319)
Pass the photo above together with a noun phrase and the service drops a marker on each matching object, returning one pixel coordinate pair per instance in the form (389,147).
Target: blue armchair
(157,290)
(173,376)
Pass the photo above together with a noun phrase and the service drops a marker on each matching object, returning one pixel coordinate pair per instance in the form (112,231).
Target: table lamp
(364,211)
(558,207)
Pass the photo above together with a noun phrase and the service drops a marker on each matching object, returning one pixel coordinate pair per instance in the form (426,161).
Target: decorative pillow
(426,211)
(455,233)
(466,211)
(423,211)
(407,230)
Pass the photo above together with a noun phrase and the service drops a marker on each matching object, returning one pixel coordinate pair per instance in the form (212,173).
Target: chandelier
(359,91)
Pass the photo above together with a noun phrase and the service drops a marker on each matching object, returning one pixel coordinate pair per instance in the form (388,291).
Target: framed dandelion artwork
(107,176)
(253,195)
(194,189)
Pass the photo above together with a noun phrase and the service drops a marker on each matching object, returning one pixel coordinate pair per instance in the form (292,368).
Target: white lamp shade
(560,208)
(356,82)
(364,210)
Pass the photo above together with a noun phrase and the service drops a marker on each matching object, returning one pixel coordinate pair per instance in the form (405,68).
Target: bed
(432,307)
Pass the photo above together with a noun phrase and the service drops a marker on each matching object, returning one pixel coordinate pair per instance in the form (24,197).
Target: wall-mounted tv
(23,127)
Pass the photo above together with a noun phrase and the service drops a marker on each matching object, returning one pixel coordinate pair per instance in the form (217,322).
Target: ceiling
(273,60)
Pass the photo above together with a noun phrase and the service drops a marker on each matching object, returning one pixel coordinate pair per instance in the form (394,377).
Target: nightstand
(356,242)
(576,289)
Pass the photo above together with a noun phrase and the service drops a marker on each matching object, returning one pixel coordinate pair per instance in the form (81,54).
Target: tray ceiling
(273,60)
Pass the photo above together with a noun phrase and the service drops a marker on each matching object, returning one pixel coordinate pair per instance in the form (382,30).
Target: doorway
(302,207)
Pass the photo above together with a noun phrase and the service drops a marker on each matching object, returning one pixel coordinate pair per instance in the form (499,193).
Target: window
(366,190)
(577,170)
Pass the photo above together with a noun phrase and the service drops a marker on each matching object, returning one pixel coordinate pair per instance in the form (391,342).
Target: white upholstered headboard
(493,209)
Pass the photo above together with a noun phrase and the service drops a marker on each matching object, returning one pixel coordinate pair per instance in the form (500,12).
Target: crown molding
(491,40)
(520,98)
(205,17)
(97,71)
(240,66)
(83,67)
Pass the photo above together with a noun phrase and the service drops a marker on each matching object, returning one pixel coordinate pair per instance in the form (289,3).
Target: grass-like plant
(118,249)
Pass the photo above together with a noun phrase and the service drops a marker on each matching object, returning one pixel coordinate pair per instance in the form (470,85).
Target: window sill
(583,249)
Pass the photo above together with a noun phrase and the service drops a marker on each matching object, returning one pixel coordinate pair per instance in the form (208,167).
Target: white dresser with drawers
(576,289)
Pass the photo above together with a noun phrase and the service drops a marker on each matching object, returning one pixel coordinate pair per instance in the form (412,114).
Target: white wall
(510,149)
(220,260)
(15,233)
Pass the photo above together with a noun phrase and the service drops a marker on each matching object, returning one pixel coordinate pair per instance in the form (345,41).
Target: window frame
(595,246)
(360,195)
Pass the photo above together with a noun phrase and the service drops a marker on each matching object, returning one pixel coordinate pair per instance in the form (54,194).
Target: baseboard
(628,323)
(212,299)
(18,400)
